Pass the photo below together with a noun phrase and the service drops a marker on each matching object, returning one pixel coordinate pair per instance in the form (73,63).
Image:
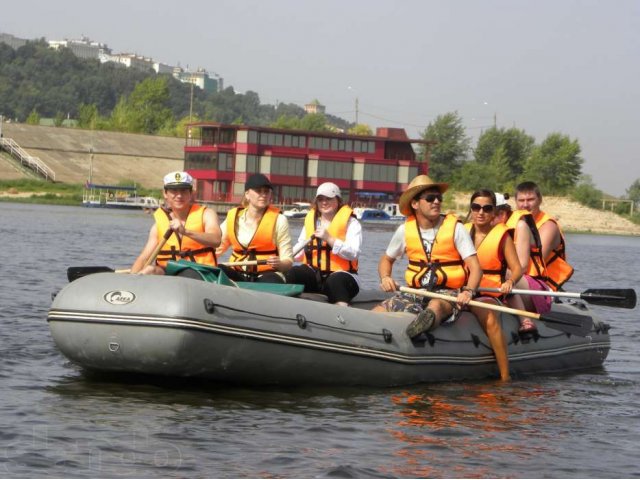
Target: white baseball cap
(501,198)
(329,190)
(178,180)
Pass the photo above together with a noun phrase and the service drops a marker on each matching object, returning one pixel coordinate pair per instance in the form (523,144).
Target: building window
(227,136)
(252,137)
(374,172)
(291,193)
(330,169)
(209,161)
(287,166)
(253,164)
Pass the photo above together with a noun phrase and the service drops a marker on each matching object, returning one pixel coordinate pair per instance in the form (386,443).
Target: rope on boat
(301,320)
(387,335)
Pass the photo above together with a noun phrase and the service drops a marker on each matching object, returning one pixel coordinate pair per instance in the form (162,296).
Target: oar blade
(610,297)
(73,273)
(572,323)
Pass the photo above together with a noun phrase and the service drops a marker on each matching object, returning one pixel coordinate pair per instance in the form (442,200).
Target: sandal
(527,326)
(422,323)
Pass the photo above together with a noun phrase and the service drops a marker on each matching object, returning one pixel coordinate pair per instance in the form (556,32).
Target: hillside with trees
(38,82)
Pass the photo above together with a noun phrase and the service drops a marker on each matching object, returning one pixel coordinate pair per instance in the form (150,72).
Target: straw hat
(417,185)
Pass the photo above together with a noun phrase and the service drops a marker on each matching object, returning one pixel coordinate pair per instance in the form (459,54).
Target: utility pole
(356,110)
(90,165)
(191,103)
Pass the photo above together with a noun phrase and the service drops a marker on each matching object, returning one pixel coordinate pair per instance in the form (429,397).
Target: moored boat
(271,334)
(377,216)
(113,196)
(296,210)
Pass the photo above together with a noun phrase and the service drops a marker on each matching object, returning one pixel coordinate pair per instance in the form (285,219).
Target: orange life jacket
(184,247)
(558,270)
(537,268)
(491,257)
(444,261)
(261,246)
(319,253)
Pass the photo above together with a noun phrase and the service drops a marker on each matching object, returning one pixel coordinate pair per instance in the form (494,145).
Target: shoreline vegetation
(572,216)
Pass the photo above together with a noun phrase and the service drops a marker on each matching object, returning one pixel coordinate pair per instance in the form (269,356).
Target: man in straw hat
(441,256)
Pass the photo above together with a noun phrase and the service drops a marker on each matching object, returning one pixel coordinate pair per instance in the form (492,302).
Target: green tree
(633,192)
(33,118)
(147,106)
(448,156)
(288,122)
(516,145)
(87,116)
(555,165)
(58,120)
(586,193)
(314,122)
(475,175)
(361,129)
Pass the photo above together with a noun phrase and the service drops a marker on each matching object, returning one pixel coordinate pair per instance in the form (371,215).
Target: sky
(542,66)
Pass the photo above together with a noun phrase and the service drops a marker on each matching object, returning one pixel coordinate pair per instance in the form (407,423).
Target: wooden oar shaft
(154,254)
(244,263)
(488,306)
(295,254)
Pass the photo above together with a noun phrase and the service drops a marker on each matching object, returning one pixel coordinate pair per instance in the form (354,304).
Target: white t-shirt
(462,240)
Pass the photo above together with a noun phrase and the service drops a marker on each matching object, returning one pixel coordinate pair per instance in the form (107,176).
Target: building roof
(384,133)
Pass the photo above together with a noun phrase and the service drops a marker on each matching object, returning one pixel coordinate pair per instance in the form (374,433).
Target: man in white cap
(441,255)
(185,229)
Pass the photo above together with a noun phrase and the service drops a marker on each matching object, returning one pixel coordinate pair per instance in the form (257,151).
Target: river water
(56,421)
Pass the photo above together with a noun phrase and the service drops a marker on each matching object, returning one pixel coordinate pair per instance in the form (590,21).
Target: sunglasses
(476,207)
(431,197)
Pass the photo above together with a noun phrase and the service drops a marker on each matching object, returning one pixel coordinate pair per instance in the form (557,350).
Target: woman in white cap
(329,246)
(257,231)
(194,230)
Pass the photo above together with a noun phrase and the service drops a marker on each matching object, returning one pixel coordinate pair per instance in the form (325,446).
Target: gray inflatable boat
(263,334)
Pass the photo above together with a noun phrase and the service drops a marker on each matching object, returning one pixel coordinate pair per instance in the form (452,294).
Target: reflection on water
(472,424)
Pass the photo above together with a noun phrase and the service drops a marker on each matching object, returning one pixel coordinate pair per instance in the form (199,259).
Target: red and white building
(368,169)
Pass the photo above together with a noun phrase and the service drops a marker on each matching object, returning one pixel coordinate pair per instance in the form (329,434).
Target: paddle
(73,273)
(244,263)
(607,297)
(575,324)
(154,254)
(307,242)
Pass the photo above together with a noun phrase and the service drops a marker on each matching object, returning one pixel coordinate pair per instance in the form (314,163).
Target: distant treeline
(39,82)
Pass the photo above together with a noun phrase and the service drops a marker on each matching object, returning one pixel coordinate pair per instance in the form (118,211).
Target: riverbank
(573,217)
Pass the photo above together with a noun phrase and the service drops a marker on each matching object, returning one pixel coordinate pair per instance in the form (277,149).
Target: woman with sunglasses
(500,265)
(329,246)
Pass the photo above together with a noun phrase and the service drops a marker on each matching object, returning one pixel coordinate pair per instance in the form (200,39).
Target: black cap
(257,180)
